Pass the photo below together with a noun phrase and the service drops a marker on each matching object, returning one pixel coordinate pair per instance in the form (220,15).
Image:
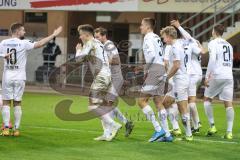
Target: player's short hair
(170,31)
(150,21)
(86,28)
(102,31)
(179,34)
(188,30)
(219,29)
(15,26)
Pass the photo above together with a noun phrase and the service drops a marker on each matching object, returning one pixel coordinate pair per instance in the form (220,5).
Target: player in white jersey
(14,74)
(153,71)
(117,81)
(195,73)
(93,51)
(219,79)
(180,59)
(172,108)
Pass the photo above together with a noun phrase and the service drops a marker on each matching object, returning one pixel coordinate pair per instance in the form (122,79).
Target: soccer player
(117,80)
(14,73)
(172,108)
(219,79)
(195,72)
(98,60)
(180,60)
(153,71)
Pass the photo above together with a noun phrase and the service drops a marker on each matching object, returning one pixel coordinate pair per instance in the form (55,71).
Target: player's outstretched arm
(184,33)
(44,41)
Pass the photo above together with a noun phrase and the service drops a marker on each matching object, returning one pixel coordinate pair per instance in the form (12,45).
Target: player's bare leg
(184,111)
(209,113)
(194,114)
(230,118)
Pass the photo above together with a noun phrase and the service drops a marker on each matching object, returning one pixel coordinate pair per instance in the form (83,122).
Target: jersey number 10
(13,57)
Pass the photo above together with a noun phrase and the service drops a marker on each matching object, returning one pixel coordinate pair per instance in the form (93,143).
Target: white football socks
(230,118)
(118,114)
(148,111)
(186,124)
(17,116)
(173,117)
(162,115)
(209,112)
(194,115)
(6,115)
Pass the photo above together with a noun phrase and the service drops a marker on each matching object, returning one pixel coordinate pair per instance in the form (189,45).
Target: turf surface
(45,137)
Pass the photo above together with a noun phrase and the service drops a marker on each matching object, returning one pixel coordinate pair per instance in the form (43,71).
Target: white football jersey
(153,49)
(196,57)
(112,52)
(15,67)
(220,59)
(191,48)
(196,68)
(182,52)
(98,58)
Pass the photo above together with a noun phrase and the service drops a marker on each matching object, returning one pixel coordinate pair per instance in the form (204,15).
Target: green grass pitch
(45,137)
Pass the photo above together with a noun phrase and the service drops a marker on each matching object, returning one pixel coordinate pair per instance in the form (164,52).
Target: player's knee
(16,103)
(6,102)
(191,99)
(168,102)
(141,102)
(228,104)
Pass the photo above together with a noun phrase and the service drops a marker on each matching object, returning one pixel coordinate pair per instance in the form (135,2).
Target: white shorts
(99,88)
(181,89)
(195,81)
(13,90)
(154,85)
(115,88)
(221,87)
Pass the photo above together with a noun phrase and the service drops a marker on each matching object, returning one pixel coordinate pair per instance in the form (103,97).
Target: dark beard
(22,38)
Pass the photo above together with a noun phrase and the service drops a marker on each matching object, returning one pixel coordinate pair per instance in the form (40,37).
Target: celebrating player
(172,108)
(14,74)
(219,79)
(180,59)
(195,72)
(117,81)
(154,70)
(99,64)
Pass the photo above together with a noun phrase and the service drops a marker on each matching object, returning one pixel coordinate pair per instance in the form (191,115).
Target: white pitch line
(139,135)
(215,141)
